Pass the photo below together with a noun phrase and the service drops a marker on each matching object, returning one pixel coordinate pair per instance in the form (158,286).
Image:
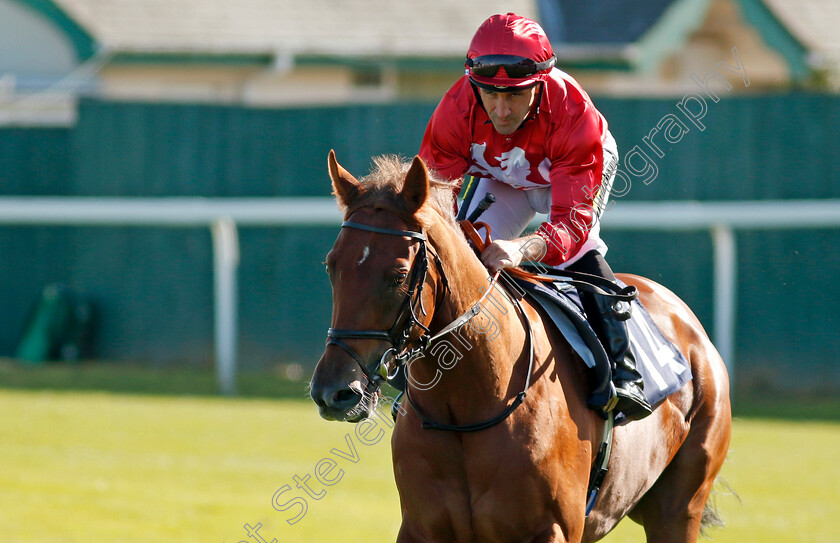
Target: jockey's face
(507,110)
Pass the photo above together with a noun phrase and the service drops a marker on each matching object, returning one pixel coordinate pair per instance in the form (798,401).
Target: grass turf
(143,462)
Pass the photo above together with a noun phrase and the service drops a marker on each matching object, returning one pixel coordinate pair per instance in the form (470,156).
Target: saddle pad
(662,366)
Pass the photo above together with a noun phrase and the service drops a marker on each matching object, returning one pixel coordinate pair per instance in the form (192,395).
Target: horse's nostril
(344,397)
(332,403)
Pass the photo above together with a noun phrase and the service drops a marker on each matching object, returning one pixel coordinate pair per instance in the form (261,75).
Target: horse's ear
(345,187)
(416,186)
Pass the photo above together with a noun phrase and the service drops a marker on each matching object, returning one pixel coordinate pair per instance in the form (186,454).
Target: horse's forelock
(382,186)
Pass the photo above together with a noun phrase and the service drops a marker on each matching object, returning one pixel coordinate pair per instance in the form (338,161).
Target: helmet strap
(539,97)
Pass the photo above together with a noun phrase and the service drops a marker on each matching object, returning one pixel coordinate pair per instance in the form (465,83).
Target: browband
(358,226)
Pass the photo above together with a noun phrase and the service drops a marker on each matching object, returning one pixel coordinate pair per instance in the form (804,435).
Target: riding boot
(628,382)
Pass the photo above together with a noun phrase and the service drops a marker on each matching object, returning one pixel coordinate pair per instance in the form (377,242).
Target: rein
(429,424)
(579,280)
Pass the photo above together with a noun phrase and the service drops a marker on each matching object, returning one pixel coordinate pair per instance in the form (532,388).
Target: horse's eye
(400,277)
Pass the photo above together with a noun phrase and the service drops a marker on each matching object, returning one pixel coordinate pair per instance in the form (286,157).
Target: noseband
(395,335)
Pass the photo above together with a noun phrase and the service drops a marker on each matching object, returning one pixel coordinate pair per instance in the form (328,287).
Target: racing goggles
(515,67)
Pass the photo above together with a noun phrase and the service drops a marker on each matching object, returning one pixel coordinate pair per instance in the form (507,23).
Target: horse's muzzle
(342,402)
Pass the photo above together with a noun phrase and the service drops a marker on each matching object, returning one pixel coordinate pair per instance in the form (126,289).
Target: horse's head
(378,268)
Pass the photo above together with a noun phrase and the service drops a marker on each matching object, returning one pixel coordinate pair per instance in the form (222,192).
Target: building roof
(815,24)
(612,34)
(620,34)
(432,28)
(637,35)
(605,21)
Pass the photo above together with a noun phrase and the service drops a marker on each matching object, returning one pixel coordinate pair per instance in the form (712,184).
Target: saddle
(664,369)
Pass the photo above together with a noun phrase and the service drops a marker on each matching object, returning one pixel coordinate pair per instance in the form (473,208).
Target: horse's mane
(385,181)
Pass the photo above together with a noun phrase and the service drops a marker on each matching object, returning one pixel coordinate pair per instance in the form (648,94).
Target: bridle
(396,335)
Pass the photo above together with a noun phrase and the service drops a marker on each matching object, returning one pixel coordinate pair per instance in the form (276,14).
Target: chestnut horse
(402,272)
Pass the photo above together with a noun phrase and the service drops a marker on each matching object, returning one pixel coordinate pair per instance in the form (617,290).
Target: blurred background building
(223,98)
(279,53)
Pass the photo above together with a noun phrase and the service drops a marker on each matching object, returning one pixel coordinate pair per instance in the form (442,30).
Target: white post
(726,273)
(225,263)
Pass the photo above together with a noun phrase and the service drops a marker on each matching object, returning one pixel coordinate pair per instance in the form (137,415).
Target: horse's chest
(490,490)
(483,501)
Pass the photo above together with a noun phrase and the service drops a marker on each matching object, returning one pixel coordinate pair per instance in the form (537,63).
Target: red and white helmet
(509,52)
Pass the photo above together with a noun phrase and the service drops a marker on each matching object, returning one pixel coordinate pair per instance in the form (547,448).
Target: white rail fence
(224,215)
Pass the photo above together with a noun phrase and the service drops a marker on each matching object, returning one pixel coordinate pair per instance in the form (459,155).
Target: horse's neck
(466,275)
(489,345)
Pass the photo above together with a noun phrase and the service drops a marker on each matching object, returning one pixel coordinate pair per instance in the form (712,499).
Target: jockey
(530,135)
